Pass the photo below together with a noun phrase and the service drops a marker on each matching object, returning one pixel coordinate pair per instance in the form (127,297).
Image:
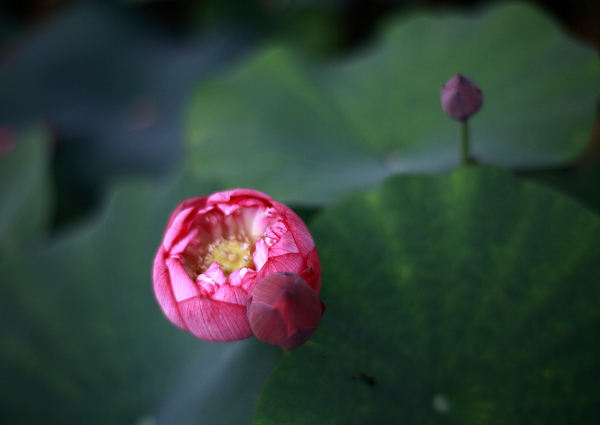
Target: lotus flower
(460,98)
(215,250)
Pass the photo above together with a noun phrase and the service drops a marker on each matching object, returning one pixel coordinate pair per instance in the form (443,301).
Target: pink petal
(225,196)
(163,291)
(248,281)
(213,320)
(182,284)
(206,285)
(237,277)
(181,244)
(292,263)
(266,323)
(239,203)
(231,294)
(300,232)
(261,254)
(231,200)
(178,226)
(275,231)
(298,304)
(312,274)
(215,273)
(255,221)
(284,310)
(285,245)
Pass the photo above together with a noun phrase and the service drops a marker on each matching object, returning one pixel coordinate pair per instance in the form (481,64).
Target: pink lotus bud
(216,249)
(460,98)
(284,310)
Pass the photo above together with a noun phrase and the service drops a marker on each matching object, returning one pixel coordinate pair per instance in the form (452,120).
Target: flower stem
(464,143)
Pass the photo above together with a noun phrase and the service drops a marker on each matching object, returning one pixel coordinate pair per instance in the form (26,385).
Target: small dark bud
(460,98)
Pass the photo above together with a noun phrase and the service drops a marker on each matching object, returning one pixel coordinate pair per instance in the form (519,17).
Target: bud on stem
(461,98)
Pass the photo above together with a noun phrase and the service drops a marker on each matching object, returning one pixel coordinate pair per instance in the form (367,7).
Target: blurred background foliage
(113,112)
(114,79)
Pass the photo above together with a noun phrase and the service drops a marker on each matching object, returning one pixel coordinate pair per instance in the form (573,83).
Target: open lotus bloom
(214,252)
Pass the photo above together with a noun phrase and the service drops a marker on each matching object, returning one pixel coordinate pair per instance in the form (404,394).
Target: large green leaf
(462,298)
(307,132)
(83,340)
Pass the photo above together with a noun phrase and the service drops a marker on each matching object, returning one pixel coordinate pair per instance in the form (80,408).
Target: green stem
(464,143)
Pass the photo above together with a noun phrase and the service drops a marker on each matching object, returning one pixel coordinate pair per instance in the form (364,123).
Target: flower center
(231,254)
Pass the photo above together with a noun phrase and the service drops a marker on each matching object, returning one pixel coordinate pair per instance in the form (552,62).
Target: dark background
(94,83)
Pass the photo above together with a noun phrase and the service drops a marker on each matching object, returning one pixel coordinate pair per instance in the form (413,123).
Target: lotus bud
(460,98)
(284,310)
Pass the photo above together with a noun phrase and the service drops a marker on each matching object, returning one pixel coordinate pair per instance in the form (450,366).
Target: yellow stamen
(231,254)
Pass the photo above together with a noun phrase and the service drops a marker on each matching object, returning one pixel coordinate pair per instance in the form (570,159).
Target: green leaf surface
(308,132)
(83,340)
(461,298)
(25,191)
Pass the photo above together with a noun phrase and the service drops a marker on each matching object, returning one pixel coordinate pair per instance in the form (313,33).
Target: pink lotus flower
(284,310)
(214,252)
(460,98)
